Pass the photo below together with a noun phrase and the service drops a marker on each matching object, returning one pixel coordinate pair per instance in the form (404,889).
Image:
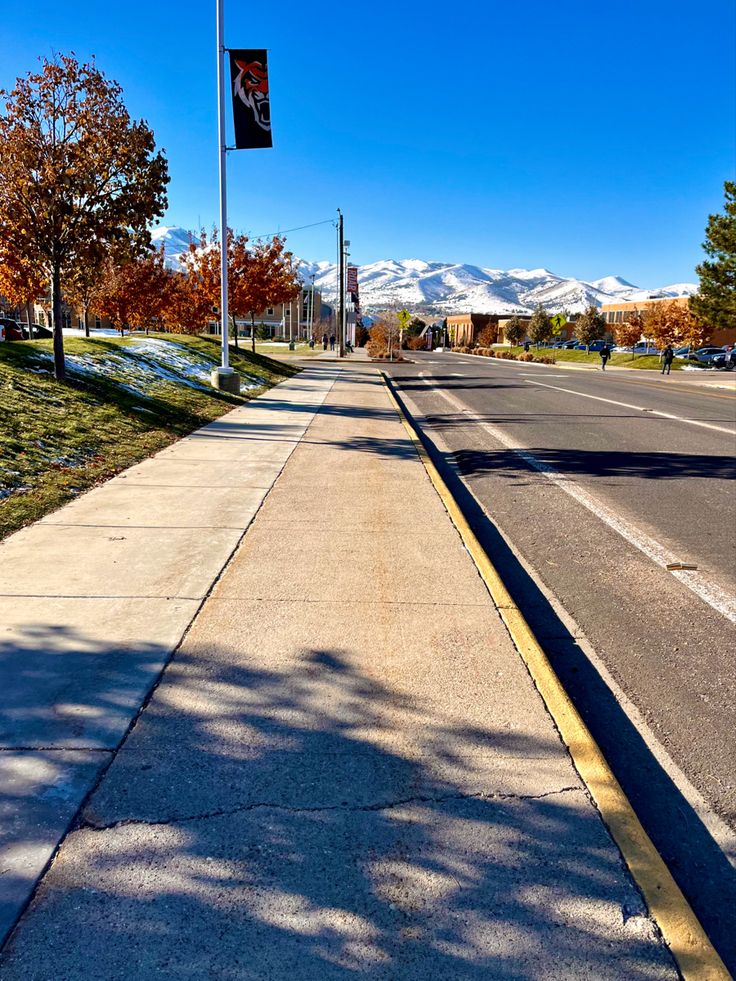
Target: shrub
(377,344)
(417,343)
(487,336)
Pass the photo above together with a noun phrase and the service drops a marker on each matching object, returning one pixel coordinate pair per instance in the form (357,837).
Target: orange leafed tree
(629,332)
(674,323)
(134,293)
(21,282)
(83,284)
(74,168)
(269,277)
(258,276)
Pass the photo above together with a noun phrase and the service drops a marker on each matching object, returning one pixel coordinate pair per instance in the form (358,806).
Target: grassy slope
(57,440)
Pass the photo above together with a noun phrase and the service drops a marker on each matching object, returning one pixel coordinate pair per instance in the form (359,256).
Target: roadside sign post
(404,319)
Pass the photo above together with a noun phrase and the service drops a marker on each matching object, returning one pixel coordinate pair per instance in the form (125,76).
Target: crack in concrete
(90,825)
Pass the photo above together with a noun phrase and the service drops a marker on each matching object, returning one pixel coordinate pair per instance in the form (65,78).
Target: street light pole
(224,376)
(341,285)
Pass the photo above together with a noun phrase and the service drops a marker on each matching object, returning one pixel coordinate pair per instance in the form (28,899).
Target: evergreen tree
(540,326)
(715,301)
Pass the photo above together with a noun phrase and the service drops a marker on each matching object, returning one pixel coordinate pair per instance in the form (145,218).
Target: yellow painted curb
(688,942)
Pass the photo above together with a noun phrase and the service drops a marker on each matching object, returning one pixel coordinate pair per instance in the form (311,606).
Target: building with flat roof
(618,313)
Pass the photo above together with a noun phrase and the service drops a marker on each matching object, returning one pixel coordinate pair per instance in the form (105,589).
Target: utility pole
(341,284)
(310,312)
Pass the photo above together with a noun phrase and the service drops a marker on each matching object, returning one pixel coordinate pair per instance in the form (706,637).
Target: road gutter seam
(695,956)
(721,833)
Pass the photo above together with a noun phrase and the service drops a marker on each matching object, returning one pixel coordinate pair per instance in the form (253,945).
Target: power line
(299,228)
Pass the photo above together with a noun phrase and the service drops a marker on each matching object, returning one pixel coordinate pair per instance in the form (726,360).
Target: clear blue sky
(590,140)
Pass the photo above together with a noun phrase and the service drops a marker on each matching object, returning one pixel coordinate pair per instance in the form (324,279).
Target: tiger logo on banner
(251,101)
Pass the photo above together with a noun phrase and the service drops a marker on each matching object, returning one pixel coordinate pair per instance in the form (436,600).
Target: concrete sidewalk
(94,598)
(345,769)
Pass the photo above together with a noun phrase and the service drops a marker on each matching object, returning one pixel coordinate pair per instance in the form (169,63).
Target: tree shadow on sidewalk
(306,820)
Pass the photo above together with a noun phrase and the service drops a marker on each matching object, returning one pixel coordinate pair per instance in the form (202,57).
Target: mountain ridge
(442,288)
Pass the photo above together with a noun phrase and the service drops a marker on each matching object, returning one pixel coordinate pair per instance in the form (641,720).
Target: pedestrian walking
(605,355)
(324,342)
(526,347)
(332,342)
(668,356)
(728,361)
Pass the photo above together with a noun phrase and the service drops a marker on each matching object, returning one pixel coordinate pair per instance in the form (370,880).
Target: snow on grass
(144,364)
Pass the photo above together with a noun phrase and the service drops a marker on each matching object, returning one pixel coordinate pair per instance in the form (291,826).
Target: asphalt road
(583,486)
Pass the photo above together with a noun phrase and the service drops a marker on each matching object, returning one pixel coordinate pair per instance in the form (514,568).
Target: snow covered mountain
(444,287)
(174,240)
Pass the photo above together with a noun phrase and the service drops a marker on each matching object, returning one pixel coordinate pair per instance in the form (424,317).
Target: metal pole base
(226,380)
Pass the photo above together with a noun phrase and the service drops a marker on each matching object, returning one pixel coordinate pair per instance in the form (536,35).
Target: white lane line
(639,408)
(720,600)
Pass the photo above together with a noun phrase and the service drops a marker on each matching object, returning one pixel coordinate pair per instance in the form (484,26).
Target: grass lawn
(123,400)
(619,358)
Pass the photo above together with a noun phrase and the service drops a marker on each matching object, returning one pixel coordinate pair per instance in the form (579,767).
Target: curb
(695,956)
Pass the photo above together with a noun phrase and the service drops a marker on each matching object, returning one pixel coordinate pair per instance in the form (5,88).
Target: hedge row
(488,352)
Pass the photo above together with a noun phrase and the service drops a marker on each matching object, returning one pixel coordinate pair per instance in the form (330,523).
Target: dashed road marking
(639,408)
(716,597)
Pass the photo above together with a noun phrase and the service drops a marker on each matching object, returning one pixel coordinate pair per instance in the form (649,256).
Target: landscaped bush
(488,352)
(417,343)
(377,345)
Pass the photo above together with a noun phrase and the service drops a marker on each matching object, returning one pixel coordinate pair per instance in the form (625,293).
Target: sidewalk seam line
(320,808)
(694,954)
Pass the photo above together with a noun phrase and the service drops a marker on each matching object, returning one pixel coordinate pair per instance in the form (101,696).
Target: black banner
(251,103)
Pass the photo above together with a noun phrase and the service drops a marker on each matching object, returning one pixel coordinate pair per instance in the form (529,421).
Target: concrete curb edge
(686,939)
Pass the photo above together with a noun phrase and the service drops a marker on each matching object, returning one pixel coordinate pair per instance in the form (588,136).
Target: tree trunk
(253,332)
(29,307)
(86,320)
(59,365)
(235,331)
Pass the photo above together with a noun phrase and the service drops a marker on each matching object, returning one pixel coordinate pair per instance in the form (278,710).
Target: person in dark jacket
(668,356)
(324,342)
(605,355)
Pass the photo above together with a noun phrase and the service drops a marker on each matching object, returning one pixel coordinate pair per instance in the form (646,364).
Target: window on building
(270,311)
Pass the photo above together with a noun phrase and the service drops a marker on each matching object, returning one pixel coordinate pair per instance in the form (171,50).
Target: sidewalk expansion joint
(86,825)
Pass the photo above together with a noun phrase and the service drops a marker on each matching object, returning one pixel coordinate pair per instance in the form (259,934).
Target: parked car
(593,346)
(723,360)
(13,330)
(705,355)
(35,332)
(569,345)
(641,347)
(682,352)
